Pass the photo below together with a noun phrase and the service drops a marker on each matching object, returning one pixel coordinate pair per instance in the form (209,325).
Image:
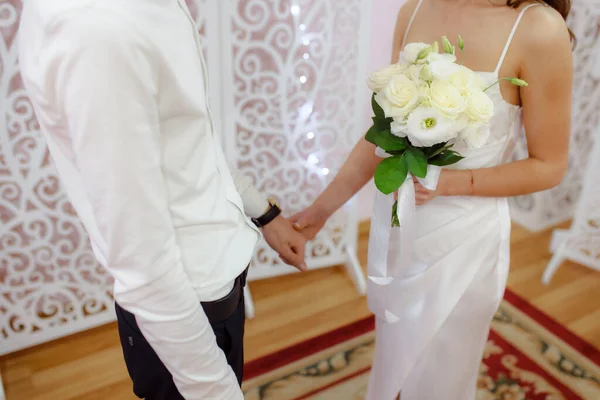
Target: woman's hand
(310,221)
(451,183)
(423,195)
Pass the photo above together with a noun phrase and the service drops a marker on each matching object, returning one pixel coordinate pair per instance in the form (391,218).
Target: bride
(432,347)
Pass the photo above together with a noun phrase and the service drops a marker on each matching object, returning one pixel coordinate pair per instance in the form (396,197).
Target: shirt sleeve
(106,86)
(255,203)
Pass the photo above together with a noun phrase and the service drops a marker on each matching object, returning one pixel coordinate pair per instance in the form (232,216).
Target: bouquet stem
(395,220)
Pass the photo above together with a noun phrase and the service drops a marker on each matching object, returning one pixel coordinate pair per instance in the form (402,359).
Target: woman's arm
(547,65)
(360,166)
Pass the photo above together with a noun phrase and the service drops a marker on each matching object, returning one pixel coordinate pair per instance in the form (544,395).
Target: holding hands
(285,240)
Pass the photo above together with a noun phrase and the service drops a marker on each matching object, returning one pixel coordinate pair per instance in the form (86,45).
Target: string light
(302,27)
(295,9)
(310,135)
(302,79)
(313,159)
(325,171)
(306,41)
(306,56)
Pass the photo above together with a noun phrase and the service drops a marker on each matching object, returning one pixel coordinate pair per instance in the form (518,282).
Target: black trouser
(151,379)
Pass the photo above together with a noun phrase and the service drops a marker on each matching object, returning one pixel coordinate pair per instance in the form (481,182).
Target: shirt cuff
(255,203)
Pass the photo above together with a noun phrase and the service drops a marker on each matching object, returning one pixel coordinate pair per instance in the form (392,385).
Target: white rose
(398,127)
(475,135)
(446,98)
(427,126)
(379,79)
(411,51)
(463,78)
(480,108)
(443,69)
(399,97)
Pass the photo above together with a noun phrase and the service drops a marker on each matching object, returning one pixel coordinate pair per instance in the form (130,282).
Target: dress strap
(412,18)
(512,34)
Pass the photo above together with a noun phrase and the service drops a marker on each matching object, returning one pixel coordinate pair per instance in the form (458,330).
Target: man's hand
(285,240)
(310,221)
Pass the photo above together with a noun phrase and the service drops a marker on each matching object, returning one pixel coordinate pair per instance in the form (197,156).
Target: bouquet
(423,105)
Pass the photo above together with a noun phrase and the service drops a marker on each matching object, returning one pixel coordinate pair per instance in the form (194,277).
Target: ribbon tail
(391,251)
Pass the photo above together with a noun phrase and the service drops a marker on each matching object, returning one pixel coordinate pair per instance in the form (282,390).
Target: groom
(119,89)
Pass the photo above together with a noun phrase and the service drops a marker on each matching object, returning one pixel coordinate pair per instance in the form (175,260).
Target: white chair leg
(355,270)
(555,262)
(2,395)
(249,303)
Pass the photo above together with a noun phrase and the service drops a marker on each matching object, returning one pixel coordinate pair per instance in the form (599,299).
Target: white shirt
(119,89)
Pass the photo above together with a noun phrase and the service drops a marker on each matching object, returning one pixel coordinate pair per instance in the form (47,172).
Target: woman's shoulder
(543,26)
(406,12)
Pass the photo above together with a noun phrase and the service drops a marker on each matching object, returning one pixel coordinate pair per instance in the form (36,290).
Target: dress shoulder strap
(412,18)
(512,35)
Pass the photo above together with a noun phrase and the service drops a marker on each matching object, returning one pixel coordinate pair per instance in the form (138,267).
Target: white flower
(475,135)
(446,98)
(414,72)
(399,97)
(463,78)
(427,126)
(398,127)
(433,56)
(480,108)
(411,51)
(443,69)
(379,79)
(424,92)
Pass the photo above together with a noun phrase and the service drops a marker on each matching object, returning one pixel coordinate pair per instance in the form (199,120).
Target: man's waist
(213,262)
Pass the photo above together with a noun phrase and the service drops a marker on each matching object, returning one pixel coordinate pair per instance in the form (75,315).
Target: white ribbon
(384,266)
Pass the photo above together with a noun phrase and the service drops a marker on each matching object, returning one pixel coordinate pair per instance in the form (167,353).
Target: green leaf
(438,149)
(382,123)
(391,174)
(377,108)
(372,134)
(446,158)
(416,162)
(388,142)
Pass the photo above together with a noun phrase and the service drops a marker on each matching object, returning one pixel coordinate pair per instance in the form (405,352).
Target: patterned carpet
(528,357)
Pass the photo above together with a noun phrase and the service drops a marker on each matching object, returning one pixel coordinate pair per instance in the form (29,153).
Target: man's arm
(280,233)
(106,87)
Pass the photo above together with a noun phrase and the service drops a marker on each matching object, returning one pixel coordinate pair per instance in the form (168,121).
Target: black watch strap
(272,213)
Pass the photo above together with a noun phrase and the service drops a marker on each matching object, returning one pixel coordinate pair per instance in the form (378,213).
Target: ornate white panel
(581,242)
(545,209)
(296,71)
(50,282)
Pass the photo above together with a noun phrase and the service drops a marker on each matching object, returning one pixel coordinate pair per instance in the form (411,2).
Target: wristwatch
(272,212)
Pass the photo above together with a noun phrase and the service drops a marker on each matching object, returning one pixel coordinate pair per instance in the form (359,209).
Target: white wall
(384,14)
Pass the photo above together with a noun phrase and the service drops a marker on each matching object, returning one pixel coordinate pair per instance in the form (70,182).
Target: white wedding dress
(444,302)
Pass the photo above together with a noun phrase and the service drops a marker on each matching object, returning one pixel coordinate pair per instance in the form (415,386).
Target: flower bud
(518,82)
(448,48)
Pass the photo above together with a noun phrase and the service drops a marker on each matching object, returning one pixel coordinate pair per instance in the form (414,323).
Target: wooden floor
(289,309)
